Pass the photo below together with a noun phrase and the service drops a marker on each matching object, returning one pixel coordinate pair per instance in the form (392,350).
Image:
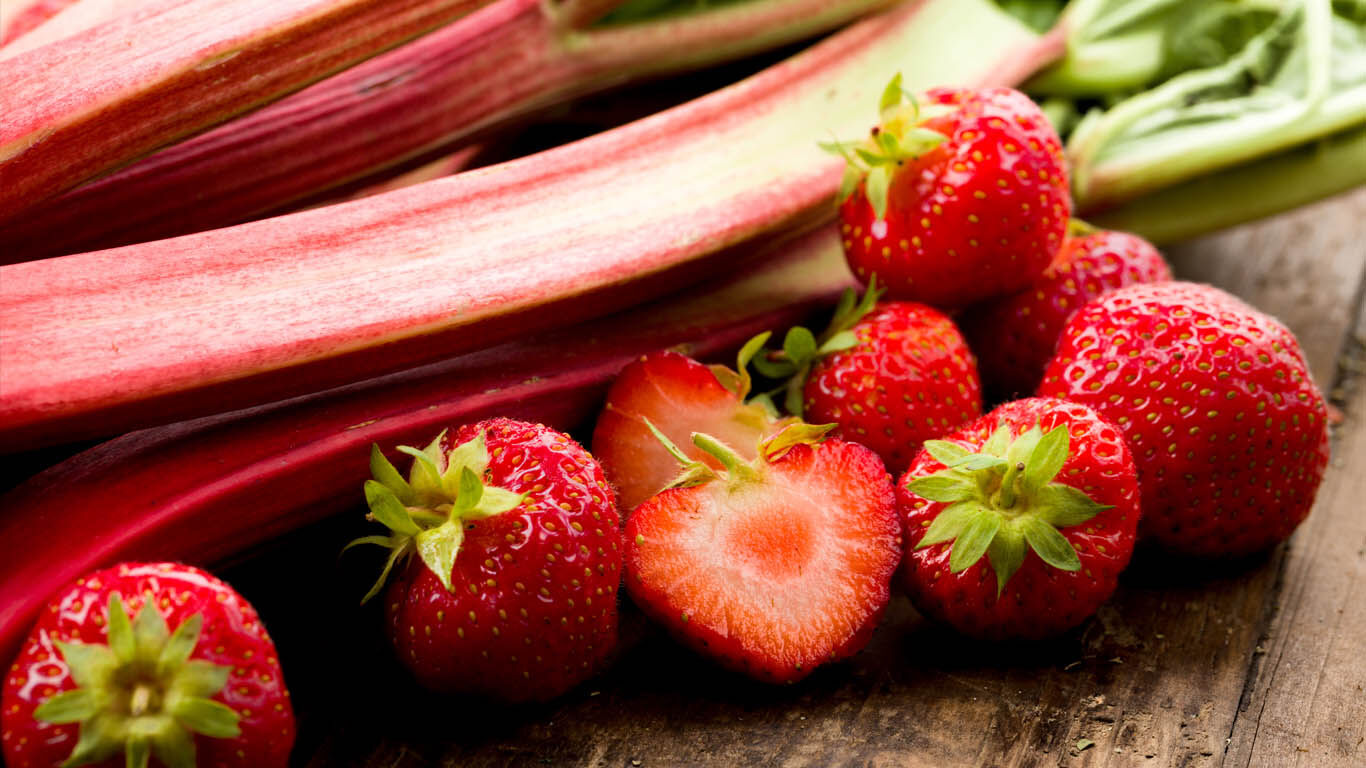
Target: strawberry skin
(1014,336)
(1038,599)
(1227,428)
(980,215)
(911,377)
(773,575)
(679,396)
(231,638)
(532,606)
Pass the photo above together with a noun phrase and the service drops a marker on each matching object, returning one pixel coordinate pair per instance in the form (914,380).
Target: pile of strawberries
(768,509)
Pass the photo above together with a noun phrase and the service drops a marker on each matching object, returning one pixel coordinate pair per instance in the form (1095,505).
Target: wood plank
(1160,678)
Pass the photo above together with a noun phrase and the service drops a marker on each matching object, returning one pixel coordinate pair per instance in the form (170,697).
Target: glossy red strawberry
(1014,336)
(1229,433)
(771,567)
(910,377)
(679,396)
(957,198)
(1018,525)
(147,664)
(513,593)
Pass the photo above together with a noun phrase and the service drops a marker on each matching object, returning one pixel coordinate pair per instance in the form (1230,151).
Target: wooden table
(1256,663)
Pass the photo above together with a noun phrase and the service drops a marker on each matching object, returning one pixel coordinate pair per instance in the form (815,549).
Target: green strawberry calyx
(897,138)
(1004,501)
(427,513)
(736,470)
(140,694)
(758,412)
(802,349)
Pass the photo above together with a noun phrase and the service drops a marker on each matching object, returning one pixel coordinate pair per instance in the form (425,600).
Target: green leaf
(178,649)
(68,707)
(438,548)
(875,160)
(842,148)
(950,523)
(150,631)
(1023,446)
(918,141)
(998,443)
(1006,554)
(120,633)
(425,476)
(206,716)
(890,146)
(1063,506)
(944,452)
(90,664)
(891,95)
(387,509)
(394,555)
(1048,544)
(473,454)
(979,461)
(877,186)
(385,472)
(838,343)
(388,542)
(138,752)
(944,487)
(200,678)
(799,345)
(1046,459)
(99,740)
(471,489)
(773,369)
(849,182)
(972,543)
(174,748)
(495,501)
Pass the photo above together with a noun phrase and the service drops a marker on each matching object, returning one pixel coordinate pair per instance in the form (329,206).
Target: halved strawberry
(770,567)
(679,396)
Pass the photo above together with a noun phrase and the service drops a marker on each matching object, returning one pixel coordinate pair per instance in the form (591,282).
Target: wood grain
(1253,663)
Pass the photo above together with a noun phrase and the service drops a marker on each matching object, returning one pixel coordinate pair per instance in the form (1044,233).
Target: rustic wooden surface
(1255,663)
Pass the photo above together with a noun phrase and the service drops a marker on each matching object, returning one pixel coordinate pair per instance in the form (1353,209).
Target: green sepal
(138,753)
(471,489)
(998,443)
(949,523)
(1022,448)
(425,476)
(891,95)
(737,469)
(98,740)
(876,186)
(200,678)
(69,706)
(972,543)
(1046,460)
(174,747)
(385,472)
(1065,506)
(438,547)
(838,343)
(386,508)
(1006,554)
(120,632)
(90,665)
(150,632)
(1049,544)
(944,452)
(401,548)
(691,471)
(206,716)
(979,461)
(944,488)
(177,649)
(799,345)
(473,454)
(849,183)
(797,433)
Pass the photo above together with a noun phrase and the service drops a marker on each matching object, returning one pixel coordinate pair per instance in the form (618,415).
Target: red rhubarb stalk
(200,491)
(102,342)
(499,64)
(83,105)
(46,22)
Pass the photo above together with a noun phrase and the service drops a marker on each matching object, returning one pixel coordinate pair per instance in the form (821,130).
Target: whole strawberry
(147,663)
(958,198)
(513,593)
(1229,433)
(1014,336)
(679,396)
(771,567)
(1018,525)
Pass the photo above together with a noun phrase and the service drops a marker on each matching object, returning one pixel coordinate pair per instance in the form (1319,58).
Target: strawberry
(1229,433)
(679,396)
(513,593)
(770,567)
(958,198)
(1018,524)
(147,663)
(1014,336)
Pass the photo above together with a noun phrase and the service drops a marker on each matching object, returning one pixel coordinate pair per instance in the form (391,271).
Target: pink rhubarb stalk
(102,342)
(201,491)
(83,104)
(499,64)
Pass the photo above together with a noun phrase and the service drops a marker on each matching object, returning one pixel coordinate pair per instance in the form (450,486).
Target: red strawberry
(771,567)
(142,663)
(1014,336)
(1018,525)
(1229,433)
(679,396)
(956,199)
(513,593)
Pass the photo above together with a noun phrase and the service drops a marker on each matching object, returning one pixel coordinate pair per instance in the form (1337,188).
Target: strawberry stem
(737,469)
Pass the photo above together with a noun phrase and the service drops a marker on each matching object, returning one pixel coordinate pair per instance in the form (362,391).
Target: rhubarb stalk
(105,341)
(65,19)
(499,64)
(201,491)
(83,105)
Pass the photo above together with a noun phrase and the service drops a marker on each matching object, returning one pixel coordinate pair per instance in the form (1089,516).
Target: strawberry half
(1014,336)
(771,567)
(513,593)
(147,663)
(954,198)
(679,396)
(1227,428)
(1018,525)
